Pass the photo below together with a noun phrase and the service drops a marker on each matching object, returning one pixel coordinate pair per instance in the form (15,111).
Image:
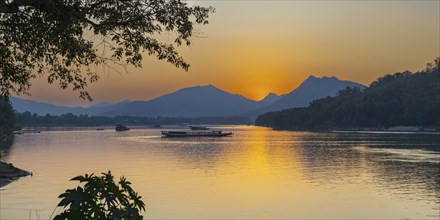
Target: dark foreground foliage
(65,40)
(7,117)
(100,198)
(408,99)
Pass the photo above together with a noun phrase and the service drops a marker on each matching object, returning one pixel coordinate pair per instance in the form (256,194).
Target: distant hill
(311,89)
(41,108)
(270,98)
(198,101)
(401,99)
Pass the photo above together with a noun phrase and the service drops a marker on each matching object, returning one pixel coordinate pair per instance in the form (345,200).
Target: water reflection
(252,153)
(257,173)
(326,160)
(5,147)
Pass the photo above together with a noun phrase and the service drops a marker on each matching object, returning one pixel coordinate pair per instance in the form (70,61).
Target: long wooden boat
(195,133)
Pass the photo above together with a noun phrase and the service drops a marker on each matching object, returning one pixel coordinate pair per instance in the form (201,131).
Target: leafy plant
(100,198)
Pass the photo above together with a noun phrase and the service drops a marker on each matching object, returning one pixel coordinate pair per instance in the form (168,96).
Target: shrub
(100,198)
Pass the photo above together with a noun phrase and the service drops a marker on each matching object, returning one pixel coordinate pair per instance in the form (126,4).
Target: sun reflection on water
(257,173)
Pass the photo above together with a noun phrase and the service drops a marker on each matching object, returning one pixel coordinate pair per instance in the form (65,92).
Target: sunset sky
(256,47)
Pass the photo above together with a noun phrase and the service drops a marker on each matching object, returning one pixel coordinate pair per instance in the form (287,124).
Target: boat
(192,133)
(18,132)
(120,127)
(198,128)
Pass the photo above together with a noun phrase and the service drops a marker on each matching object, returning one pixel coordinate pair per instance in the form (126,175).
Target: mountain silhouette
(271,97)
(41,108)
(198,101)
(312,88)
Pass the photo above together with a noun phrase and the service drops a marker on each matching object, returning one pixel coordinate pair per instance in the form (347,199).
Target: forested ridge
(27,119)
(400,99)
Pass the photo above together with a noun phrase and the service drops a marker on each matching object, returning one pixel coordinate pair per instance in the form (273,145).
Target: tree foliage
(392,100)
(51,38)
(100,198)
(7,117)
(27,119)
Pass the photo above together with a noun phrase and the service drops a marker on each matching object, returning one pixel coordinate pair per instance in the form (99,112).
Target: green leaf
(101,198)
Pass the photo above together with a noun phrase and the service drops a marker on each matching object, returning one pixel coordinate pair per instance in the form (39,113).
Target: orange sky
(256,47)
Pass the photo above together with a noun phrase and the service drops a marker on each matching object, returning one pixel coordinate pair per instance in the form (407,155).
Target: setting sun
(260,47)
(176,109)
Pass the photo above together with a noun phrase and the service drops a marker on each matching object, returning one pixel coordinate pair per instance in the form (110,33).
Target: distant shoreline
(38,129)
(70,120)
(384,132)
(365,130)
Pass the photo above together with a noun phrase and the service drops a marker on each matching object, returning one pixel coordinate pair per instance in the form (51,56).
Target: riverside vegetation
(27,119)
(7,125)
(400,99)
(7,118)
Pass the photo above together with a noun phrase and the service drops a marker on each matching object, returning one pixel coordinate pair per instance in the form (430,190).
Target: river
(256,173)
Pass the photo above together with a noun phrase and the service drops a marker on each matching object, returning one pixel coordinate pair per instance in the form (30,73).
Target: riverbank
(9,173)
(396,129)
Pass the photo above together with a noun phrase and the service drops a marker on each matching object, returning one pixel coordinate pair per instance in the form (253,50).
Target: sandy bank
(9,173)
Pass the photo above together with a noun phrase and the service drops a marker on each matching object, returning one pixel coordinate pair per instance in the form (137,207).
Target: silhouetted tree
(49,38)
(7,117)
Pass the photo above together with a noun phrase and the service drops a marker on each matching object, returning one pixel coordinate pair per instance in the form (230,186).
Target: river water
(256,173)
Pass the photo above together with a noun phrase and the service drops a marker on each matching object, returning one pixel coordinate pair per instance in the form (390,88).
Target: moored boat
(193,133)
(120,127)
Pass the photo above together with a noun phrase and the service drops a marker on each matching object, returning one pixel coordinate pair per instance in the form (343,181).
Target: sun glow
(254,49)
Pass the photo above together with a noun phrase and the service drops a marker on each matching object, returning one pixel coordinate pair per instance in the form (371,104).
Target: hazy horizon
(253,48)
(94,102)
